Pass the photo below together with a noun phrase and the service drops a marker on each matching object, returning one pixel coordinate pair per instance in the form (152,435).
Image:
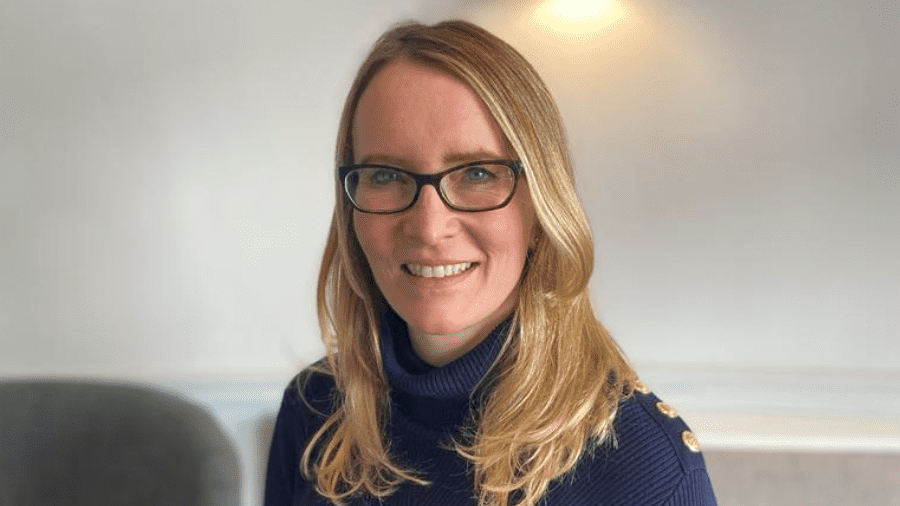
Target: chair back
(88,443)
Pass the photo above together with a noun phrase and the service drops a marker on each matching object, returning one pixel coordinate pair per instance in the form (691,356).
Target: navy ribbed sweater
(650,465)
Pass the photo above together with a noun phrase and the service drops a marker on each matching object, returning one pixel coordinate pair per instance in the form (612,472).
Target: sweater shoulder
(648,425)
(311,394)
(650,459)
(307,401)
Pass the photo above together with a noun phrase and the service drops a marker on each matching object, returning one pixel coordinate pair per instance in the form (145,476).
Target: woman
(464,364)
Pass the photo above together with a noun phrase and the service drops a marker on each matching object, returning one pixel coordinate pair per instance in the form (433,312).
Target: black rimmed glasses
(471,187)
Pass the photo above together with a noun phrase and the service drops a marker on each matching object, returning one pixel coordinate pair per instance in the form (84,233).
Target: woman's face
(421,120)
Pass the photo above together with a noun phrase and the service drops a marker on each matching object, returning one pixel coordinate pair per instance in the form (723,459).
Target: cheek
(374,235)
(509,236)
(364,234)
(521,226)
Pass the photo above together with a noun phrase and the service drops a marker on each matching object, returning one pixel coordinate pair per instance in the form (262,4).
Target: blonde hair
(556,384)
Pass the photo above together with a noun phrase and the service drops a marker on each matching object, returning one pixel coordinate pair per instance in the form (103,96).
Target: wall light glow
(575,9)
(580,17)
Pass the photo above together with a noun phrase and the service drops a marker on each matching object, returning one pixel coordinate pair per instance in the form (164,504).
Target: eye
(477,174)
(385,176)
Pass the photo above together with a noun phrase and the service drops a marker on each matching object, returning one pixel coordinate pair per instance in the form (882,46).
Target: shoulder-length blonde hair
(559,379)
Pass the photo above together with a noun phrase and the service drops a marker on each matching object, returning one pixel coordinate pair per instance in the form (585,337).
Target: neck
(438,350)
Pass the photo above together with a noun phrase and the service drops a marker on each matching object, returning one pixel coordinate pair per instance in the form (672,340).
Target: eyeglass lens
(470,188)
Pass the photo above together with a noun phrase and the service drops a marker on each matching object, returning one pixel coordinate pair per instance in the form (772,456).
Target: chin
(436,324)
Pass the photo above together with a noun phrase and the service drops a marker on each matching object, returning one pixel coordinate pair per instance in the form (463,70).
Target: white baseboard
(247,409)
(804,410)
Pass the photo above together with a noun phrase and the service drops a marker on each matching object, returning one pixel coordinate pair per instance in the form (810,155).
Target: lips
(437,271)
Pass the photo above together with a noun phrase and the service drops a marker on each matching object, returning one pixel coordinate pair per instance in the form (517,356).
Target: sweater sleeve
(283,471)
(694,490)
(295,423)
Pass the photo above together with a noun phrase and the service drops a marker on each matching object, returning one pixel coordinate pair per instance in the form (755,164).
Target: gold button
(639,386)
(666,409)
(689,440)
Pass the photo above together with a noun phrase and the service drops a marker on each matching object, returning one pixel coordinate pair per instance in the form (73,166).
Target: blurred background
(166,187)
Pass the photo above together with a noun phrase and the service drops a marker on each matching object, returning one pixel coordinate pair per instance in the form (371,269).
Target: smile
(439,271)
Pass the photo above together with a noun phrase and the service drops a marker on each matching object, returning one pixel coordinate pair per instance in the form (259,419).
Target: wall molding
(780,409)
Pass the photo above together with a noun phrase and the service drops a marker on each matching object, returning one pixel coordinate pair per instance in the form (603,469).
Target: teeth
(424,271)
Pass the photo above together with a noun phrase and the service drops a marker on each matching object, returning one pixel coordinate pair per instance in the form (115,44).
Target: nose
(429,219)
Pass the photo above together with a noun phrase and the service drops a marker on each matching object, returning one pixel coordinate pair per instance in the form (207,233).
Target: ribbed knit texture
(437,398)
(649,466)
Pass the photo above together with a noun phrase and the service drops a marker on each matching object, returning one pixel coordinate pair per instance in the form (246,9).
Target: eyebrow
(393,161)
(448,160)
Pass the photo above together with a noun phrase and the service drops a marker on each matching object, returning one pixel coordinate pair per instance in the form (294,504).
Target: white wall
(164,178)
(740,163)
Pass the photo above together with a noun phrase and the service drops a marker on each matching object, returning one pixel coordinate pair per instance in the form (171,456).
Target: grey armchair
(80,443)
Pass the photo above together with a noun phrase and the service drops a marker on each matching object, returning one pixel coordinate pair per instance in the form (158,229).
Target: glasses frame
(433,180)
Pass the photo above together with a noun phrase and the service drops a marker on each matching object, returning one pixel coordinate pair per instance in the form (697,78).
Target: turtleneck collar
(437,397)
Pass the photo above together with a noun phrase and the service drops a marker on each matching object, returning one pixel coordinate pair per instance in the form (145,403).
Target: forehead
(422,115)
